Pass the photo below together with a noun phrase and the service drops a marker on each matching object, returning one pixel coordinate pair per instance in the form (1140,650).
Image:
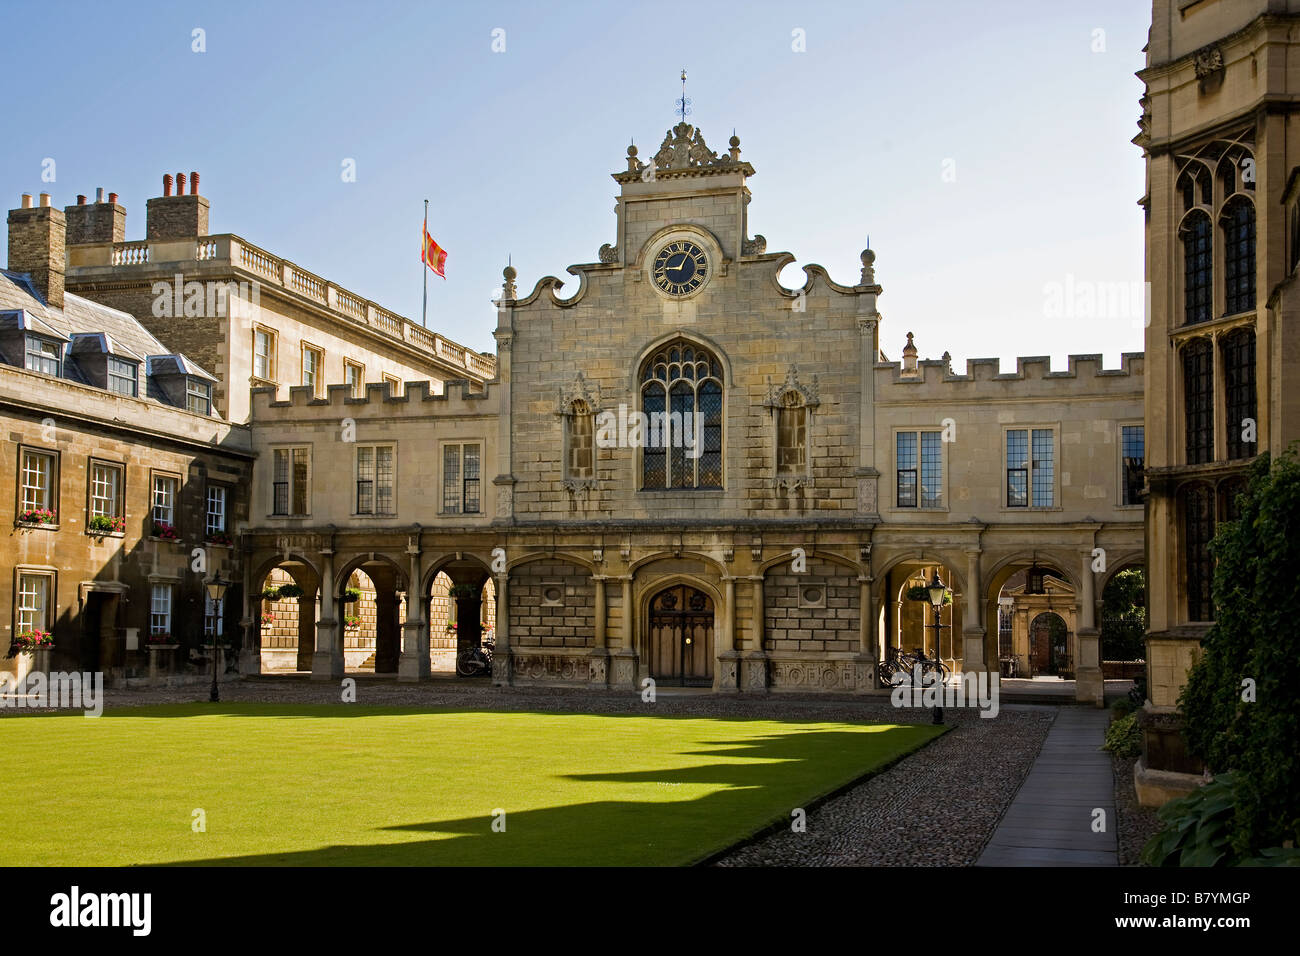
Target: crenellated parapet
(459,397)
(1033,377)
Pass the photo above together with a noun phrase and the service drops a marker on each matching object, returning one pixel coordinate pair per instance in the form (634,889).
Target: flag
(434,255)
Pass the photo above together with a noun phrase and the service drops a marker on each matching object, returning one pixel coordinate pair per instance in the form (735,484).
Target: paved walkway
(1050,822)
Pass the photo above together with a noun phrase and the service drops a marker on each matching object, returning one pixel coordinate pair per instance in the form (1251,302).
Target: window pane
(451,479)
(471,466)
(710,464)
(384,480)
(1198,400)
(122,377)
(1198,514)
(301,476)
(280,484)
(33,595)
(1197,276)
(682,407)
(931,469)
(905,466)
(1017,468)
(164,499)
(1133,450)
(1239,380)
(1239,258)
(654,463)
(160,609)
(216,516)
(104,484)
(37,487)
(1044,471)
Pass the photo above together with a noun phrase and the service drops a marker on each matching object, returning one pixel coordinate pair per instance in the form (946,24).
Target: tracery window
(1198,274)
(681,385)
(1239,256)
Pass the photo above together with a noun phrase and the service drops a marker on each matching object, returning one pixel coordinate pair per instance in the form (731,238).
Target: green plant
(36,516)
(1124,737)
(351,595)
(105,524)
(919,592)
(290,591)
(270,594)
(1121,707)
(1197,828)
(351,620)
(462,590)
(1251,728)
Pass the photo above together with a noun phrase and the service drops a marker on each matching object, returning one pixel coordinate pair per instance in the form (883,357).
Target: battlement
(459,397)
(937,373)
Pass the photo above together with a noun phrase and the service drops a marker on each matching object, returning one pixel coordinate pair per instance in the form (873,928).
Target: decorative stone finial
(508,288)
(909,358)
(734,143)
(910,347)
(868,267)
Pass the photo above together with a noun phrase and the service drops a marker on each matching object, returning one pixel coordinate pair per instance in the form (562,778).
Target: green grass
(325,785)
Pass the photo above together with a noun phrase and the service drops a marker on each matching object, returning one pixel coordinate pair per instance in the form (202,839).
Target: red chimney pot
(180,184)
(167,184)
(112,197)
(194,184)
(81,200)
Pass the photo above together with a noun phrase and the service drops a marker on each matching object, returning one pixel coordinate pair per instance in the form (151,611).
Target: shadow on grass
(780,773)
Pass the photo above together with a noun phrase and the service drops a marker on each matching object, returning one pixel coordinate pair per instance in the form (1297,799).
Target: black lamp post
(216,593)
(937,593)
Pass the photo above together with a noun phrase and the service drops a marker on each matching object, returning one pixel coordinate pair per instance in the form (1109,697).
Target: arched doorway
(1047,644)
(681,636)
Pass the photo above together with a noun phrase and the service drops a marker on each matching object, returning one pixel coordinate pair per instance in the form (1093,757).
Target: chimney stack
(36,246)
(96,222)
(177,216)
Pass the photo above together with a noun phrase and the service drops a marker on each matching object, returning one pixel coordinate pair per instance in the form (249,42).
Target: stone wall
(552,604)
(829,625)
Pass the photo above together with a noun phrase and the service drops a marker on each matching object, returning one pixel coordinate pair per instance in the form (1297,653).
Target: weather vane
(684,104)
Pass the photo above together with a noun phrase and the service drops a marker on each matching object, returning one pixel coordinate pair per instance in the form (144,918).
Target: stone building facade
(250,317)
(1222,244)
(768,537)
(120,476)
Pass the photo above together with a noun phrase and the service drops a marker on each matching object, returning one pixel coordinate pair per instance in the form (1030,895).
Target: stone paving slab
(1049,823)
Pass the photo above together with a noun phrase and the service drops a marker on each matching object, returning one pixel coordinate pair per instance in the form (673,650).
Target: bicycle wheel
(465,667)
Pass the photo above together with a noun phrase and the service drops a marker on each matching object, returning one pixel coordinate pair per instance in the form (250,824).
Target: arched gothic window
(1198,274)
(1239,256)
(681,385)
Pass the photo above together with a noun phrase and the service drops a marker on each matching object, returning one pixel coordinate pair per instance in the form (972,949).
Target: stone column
(250,651)
(868,642)
(599,652)
(327,661)
(501,652)
(413,664)
(625,658)
(725,676)
(1089,686)
(973,656)
(755,668)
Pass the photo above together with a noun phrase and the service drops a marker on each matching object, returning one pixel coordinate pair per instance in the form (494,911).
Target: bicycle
(898,667)
(477,661)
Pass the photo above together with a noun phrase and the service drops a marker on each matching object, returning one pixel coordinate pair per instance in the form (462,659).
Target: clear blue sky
(514,149)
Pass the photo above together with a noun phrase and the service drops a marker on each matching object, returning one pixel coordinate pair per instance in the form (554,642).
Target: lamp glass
(937,591)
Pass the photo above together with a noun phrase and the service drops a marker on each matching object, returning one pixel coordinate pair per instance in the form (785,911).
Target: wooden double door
(681,636)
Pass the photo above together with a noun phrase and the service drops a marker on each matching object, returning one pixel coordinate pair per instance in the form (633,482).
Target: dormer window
(198,396)
(123,377)
(44,355)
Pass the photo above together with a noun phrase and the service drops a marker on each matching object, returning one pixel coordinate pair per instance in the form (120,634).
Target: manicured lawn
(321,785)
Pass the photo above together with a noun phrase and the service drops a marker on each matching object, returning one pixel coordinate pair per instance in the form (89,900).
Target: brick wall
(533,623)
(832,627)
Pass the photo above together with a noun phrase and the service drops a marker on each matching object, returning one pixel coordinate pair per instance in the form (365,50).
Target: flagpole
(424,269)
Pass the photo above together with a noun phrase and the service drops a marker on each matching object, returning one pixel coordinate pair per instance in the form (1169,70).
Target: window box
(164,532)
(221,538)
(289,591)
(31,640)
(104,525)
(42,517)
(351,622)
(161,642)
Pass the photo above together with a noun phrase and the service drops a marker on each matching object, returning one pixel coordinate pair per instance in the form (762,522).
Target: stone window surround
(942,508)
(360,390)
(56,472)
(51,574)
(289,449)
(119,506)
(482,472)
(1199,163)
(154,475)
(1119,461)
(317,387)
(272,358)
(1029,428)
(356,478)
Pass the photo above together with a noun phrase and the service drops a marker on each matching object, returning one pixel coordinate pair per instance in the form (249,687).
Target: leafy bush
(270,594)
(1124,737)
(1197,828)
(290,591)
(105,524)
(1254,637)
(1121,707)
(351,595)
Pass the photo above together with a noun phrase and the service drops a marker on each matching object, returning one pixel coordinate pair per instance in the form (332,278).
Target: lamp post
(937,593)
(216,593)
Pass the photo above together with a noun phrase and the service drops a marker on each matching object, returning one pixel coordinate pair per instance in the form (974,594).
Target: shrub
(104,524)
(1124,736)
(1196,828)
(270,594)
(351,595)
(1121,707)
(36,516)
(1254,636)
(289,591)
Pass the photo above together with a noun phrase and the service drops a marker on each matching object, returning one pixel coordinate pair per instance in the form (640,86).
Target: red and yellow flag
(434,255)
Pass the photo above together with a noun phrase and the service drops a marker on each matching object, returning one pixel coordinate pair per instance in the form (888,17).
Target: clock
(681,268)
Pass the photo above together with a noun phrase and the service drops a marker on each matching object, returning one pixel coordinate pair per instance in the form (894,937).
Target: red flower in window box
(28,640)
(160,638)
(161,529)
(220,537)
(36,516)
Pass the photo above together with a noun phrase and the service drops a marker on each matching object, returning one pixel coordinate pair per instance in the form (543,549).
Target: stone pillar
(864,667)
(1089,686)
(388,628)
(755,666)
(726,669)
(413,664)
(625,658)
(327,661)
(308,643)
(250,651)
(973,651)
(501,652)
(599,651)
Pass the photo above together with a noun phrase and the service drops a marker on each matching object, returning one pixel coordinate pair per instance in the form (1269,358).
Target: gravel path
(1137,824)
(937,807)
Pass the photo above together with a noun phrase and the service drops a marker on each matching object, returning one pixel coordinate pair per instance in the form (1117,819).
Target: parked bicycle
(898,667)
(476,661)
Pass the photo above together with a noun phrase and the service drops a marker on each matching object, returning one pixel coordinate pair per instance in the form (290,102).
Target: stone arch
(686,335)
(709,560)
(646,591)
(833,557)
(284,628)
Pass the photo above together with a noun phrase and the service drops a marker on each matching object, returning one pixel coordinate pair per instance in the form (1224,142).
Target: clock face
(681,267)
